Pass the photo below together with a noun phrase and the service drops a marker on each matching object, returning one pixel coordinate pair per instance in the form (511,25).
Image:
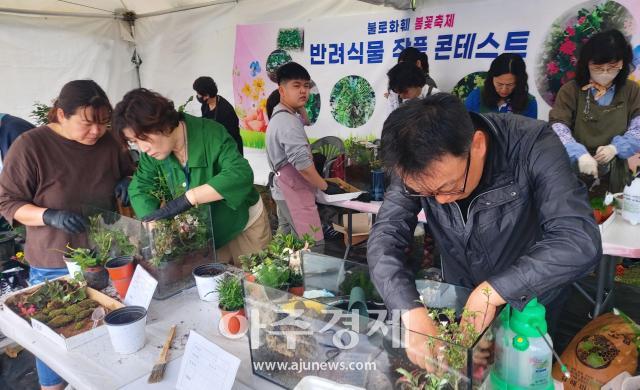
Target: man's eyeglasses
(409,192)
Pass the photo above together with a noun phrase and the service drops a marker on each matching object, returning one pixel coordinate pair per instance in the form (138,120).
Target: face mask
(603,79)
(201,99)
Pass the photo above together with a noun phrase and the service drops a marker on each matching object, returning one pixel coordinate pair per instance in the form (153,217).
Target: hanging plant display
(558,58)
(291,39)
(276,59)
(313,104)
(468,83)
(352,101)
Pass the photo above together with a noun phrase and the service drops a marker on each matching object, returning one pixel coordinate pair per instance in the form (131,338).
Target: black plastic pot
(97,277)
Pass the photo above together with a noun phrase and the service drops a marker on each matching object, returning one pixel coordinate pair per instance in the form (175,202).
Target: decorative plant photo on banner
(276,59)
(558,58)
(352,101)
(291,39)
(468,83)
(313,104)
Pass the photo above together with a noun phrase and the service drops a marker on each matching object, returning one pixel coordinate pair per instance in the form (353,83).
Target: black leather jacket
(528,231)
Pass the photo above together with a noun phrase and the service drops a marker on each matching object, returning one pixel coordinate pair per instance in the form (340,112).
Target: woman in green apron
(597,115)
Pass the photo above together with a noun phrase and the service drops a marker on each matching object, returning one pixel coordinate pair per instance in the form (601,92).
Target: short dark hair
(291,71)
(422,131)
(411,54)
(204,85)
(78,94)
(405,75)
(503,64)
(602,48)
(145,112)
(272,101)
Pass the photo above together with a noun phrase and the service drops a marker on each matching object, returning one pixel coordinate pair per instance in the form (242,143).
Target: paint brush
(158,370)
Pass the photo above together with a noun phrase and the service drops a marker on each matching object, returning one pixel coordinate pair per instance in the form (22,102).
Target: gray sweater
(286,142)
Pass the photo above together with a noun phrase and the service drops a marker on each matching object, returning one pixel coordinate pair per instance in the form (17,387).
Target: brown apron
(596,126)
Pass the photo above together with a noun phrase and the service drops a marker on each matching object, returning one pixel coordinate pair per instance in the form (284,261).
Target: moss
(60,321)
(73,310)
(41,317)
(83,314)
(88,304)
(55,313)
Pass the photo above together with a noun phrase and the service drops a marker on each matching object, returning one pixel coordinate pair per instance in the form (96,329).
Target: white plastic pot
(207,284)
(126,327)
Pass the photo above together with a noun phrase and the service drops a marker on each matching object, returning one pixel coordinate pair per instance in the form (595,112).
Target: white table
(619,239)
(95,365)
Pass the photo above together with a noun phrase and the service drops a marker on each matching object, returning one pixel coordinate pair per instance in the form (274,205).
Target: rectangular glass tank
(346,336)
(168,249)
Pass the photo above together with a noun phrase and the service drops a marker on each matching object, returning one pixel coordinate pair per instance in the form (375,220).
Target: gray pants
(285,222)
(286,226)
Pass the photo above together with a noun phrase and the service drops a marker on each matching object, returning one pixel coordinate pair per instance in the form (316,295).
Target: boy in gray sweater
(289,153)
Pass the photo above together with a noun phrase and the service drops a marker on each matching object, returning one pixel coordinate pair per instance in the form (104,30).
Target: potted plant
(601,211)
(231,302)
(92,266)
(207,277)
(272,273)
(296,283)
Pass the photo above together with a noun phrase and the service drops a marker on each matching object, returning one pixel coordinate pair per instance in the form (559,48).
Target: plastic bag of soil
(607,346)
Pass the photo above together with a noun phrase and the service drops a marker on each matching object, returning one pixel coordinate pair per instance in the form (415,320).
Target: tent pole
(54,13)
(130,17)
(187,8)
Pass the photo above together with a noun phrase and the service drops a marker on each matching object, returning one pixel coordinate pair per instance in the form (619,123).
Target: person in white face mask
(597,115)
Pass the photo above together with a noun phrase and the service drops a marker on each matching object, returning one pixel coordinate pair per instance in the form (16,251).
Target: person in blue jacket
(11,127)
(505,89)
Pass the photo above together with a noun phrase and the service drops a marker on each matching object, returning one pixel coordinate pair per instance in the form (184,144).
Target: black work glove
(333,189)
(171,209)
(121,191)
(68,221)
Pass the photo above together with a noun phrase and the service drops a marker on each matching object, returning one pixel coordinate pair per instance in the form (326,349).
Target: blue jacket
(10,128)
(474,104)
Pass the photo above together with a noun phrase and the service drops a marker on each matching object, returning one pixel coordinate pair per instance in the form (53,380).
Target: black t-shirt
(224,114)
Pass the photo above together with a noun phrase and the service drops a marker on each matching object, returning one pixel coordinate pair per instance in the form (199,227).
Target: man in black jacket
(217,108)
(509,216)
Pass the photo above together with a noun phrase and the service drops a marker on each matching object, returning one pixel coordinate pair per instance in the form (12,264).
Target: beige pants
(252,240)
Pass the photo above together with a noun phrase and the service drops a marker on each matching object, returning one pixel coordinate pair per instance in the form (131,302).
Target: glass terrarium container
(345,335)
(168,249)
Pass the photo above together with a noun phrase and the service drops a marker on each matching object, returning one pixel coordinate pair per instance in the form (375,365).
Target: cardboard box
(361,225)
(352,192)
(74,341)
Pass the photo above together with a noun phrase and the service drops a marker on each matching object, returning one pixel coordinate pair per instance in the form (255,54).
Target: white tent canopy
(45,43)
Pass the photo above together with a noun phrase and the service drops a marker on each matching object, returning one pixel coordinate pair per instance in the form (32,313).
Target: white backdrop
(38,55)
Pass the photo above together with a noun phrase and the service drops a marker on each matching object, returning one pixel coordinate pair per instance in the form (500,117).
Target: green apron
(596,126)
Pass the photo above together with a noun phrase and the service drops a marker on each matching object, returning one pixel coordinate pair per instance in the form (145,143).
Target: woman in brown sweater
(52,171)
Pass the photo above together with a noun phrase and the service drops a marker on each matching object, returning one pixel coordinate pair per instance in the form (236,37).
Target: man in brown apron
(295,179)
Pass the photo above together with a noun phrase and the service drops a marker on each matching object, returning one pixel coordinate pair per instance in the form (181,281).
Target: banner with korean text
(348,57)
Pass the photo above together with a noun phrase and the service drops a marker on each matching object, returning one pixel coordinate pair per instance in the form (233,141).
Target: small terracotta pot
(121,272)
(97,277)
(299,291)
(602,216)
(231,320)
